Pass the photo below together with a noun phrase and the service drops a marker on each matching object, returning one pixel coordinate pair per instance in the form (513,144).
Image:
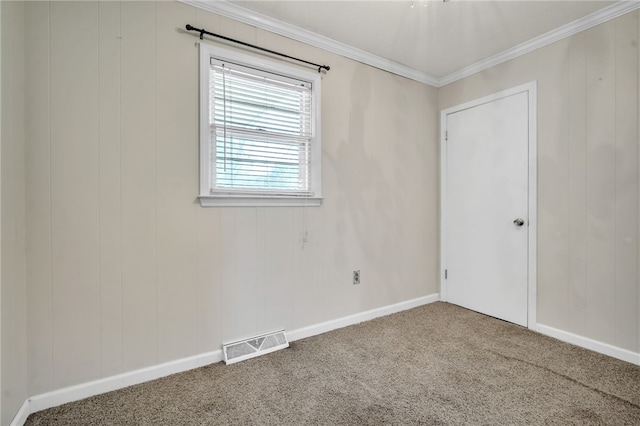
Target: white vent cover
(254,346)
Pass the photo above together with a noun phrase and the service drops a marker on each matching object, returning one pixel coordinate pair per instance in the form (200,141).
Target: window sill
(257,201)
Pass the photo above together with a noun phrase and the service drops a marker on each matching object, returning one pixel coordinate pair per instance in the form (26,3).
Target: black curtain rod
(202,32)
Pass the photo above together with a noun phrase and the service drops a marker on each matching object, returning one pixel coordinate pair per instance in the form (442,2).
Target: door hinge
(446,135)
(445,274)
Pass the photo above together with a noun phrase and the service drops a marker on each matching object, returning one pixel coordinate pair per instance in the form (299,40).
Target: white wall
(126,270)
(12,202)
(588,214)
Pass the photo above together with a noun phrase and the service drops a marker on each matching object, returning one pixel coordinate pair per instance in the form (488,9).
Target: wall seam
(616,280)
(638,191)
(23,221)
(120,178)
(567,85)
(50,201)
(99,134)
(196,221)
(155,166)
(586,187)
(1,144)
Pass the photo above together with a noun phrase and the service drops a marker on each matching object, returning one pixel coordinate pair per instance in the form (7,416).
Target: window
(259,131)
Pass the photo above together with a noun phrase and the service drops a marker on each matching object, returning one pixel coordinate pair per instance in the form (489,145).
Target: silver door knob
(518,222)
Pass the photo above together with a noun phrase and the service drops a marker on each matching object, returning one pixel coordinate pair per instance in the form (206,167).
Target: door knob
(518,222)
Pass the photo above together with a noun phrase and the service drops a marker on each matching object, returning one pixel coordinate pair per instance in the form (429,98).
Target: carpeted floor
(434,365)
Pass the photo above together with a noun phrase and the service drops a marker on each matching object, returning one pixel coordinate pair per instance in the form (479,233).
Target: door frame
(531,90)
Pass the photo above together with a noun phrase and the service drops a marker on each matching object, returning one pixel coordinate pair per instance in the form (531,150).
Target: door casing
(531,89)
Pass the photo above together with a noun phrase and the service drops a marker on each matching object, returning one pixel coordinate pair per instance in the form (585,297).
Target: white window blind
(261,130)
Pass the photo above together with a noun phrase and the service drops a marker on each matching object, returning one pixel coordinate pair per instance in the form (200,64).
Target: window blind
(261,131)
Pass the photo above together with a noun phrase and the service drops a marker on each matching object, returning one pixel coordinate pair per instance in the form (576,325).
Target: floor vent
(254,346)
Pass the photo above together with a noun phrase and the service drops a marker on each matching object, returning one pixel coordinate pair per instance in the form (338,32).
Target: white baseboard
(108,384)
(323,327)
(594,345)
(22,414)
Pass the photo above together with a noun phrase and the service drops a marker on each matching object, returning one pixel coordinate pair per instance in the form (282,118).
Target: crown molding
(259,20)
(596,18)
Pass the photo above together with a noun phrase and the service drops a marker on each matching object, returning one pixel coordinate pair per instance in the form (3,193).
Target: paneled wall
(13,307)
(126,270)
(588,214)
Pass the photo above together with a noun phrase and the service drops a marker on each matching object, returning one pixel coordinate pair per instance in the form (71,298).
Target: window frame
(242,198)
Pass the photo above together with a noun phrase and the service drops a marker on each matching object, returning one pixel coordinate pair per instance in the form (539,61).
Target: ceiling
(437,39)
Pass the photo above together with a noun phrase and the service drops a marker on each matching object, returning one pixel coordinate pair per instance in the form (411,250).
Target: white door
(486,191)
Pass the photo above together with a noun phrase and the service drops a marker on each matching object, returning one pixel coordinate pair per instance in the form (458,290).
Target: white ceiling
(437,39)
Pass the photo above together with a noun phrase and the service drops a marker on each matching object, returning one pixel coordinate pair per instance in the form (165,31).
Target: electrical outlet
(356,276)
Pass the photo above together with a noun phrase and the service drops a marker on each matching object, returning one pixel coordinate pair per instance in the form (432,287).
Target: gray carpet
(434,365)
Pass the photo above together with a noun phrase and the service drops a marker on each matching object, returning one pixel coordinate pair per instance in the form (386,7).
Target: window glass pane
(258,163)
(261,131)
(259,103)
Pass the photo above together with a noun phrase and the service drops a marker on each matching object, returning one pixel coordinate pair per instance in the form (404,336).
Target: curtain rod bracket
(202,32)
